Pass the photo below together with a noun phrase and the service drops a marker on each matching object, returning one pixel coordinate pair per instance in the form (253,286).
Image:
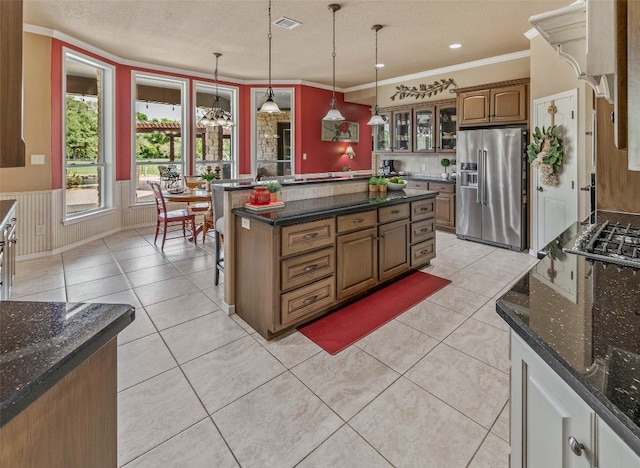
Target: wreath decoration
(545,154)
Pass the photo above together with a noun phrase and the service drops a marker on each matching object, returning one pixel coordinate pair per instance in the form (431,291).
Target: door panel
(468,208)
(549,223)
(502,186)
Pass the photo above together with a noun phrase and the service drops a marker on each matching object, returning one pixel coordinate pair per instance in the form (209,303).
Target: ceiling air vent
(286,23)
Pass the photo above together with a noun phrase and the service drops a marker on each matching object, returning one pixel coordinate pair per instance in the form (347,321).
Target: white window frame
(255,93)
(107,133)
(234,130)
(184,116)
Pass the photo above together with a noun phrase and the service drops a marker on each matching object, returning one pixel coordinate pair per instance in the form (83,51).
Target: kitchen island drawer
(302,237)
(442,187)
(298,271)
(415,184)
(305,301)
(423,209)
(352,222)
(393,213)
(422,231)
(423,252)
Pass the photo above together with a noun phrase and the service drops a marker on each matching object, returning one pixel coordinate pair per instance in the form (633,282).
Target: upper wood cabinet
(11,143)
(493,104)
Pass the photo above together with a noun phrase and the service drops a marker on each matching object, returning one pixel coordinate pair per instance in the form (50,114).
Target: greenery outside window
(88,134)
(215,146)
(158,119)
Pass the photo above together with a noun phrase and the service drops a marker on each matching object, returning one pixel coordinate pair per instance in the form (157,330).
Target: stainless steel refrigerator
(491,186)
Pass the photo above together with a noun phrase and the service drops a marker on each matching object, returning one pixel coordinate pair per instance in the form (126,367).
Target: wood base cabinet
(551,425)
(289,275)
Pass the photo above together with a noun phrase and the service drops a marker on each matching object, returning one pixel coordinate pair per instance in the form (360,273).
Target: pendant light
(269,105)
(334,114)
(217,116)
(376,118)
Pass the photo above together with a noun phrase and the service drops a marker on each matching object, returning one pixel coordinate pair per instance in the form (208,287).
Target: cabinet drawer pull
(395,212)
(424,208)
(311,235)
(575,446)
(359,220)
(425,251)
(425,230)
(310,300)
(309,268)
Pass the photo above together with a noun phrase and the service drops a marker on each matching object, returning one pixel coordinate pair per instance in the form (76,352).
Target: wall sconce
(349,152)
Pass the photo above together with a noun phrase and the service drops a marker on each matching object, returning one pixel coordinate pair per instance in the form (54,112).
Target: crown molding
(531,33)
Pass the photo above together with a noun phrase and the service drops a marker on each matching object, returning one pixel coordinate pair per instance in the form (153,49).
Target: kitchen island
(58,383)
(315,254)
(575,353)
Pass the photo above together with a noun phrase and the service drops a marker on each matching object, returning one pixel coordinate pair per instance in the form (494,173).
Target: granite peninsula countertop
(312,209)
(583,320)
(41,342)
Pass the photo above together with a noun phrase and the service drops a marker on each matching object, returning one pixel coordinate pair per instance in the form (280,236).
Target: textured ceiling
(185,33)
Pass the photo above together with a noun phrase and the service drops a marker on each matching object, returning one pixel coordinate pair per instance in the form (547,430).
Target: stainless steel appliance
(491,187)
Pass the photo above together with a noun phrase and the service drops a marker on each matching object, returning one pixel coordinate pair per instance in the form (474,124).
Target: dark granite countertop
(583,320)
(233,186)
(41,342)
(430,179)
(5,209)
(313,209)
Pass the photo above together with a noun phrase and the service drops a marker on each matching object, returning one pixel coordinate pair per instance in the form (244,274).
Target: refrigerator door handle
(479,180)
(484,176)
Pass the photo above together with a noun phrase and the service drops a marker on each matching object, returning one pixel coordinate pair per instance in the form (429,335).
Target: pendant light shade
(217,116)
(334,114)
(376,118)
(269,105)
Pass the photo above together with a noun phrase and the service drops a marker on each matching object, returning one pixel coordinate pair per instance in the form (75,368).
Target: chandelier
(217,116)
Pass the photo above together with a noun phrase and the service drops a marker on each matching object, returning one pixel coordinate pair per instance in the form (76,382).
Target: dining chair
(169,175)
(165,217)
(216,223)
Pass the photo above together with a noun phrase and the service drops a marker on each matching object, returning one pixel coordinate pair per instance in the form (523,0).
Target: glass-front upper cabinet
(382,134)
(402,129)
(424,124)
(447,123)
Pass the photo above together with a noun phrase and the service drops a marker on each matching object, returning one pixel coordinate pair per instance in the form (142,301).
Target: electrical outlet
(37,159)
(304,155)
(40,230)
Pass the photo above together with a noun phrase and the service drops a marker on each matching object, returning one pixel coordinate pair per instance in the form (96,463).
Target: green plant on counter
(209,176)
(373,181)
(445,162)
(382,181)
(273,187)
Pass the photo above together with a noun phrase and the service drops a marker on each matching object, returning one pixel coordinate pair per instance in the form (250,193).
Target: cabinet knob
(575,446)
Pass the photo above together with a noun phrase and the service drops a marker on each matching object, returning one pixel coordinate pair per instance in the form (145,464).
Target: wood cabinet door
(357,262)
(393,253)
(509,104)
(446,210)
(474,107)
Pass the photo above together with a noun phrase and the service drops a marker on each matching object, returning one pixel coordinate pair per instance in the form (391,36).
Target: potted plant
(382,184)
(208,177)
(273,188)
(445,162)
(373,184)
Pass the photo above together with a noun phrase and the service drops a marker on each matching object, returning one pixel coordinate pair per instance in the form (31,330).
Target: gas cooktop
(610,244)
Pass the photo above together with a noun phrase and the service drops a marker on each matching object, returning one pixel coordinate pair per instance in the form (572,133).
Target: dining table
(191,197)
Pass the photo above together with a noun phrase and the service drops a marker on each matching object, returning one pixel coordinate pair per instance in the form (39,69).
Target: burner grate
(610,243)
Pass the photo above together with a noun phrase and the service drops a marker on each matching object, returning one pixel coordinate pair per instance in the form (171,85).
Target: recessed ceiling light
(457,45)
(379,65)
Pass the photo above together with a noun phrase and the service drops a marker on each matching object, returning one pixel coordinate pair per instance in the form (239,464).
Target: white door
(555,208)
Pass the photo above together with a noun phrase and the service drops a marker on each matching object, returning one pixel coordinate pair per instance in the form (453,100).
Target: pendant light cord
(376,67)
(270,92)
(333,98)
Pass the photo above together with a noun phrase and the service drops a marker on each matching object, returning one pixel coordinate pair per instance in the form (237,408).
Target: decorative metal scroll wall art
(423,90)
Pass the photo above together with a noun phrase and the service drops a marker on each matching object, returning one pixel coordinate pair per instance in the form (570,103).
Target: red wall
(327,156)
(311,105)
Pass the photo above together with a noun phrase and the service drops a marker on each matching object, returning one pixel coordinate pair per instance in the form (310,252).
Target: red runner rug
(336,331)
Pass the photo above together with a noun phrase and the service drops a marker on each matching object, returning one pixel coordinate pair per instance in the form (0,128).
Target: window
(159,117)
(88,134)
(273,135)
(215,146)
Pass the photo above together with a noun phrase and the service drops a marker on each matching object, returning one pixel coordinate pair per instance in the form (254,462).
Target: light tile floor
(197,388)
